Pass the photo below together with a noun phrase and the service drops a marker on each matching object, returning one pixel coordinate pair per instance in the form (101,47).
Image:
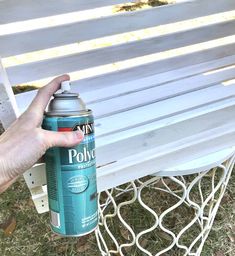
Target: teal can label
(71,178)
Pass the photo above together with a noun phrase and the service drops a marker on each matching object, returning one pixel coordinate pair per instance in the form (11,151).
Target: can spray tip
(65,86)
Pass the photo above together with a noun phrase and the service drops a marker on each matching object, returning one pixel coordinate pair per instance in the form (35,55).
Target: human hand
(25,142)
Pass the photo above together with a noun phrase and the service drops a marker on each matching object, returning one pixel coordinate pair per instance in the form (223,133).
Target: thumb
(62,139)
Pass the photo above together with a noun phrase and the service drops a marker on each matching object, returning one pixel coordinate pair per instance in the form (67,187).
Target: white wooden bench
(151,116)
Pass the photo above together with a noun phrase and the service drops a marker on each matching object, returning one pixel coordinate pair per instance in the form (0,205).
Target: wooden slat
(154,94)
(162,109)
(100,88)
(161,158)
(8,107)
(52,67)
(187,77)
(172,141)
(160,133)
(71,33)
(108,178)
(144,132)
(37,177)
(201,164)
(157,137)
(15,10)
(165,70)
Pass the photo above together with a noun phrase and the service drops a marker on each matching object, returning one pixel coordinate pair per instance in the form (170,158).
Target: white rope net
(161,215)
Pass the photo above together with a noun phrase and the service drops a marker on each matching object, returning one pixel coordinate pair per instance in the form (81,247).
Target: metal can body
(71,178)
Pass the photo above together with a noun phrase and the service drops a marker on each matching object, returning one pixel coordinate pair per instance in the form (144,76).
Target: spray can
(71,172)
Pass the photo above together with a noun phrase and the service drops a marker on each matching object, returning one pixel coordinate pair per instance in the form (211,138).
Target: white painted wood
(159,110)
(42,69)
(174,82)
(94,89)
(116,146)
(8,107)
(149,162)
(120,144)
(156,93)
(165,142)
(35,177)
(41,202)
(129,21)
(112,148)
(146,91)
(201,164)
(165,70)
(13,10)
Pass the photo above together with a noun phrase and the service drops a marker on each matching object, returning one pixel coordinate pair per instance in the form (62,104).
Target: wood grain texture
(175,153)
(162,109)
(103,88)
(76,32)
(162,147)
(164,70)
(155,93)
(8,106)
(37,70)
(113,147)
(13,10)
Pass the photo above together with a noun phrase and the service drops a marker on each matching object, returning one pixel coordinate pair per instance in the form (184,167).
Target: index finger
(44,94)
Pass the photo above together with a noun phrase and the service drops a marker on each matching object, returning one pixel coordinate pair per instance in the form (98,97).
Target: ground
(24,232)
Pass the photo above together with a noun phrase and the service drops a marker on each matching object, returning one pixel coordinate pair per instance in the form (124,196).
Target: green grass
(32,235)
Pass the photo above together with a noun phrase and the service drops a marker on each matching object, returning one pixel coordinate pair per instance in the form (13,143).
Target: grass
(23,88)
(32,235)
(140,5)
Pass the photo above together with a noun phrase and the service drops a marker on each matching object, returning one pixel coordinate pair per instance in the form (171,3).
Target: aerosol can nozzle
(66,86)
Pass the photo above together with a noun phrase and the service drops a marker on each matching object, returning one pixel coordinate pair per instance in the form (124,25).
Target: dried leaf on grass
(83,244)
(231,237)
(125,233)
(231,234)
(233,229)
(144,242)
(226,198)
(54,237)
(8,226)
(219,253)
(165,236)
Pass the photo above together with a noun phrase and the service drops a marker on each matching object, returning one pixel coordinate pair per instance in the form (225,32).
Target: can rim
(68,113)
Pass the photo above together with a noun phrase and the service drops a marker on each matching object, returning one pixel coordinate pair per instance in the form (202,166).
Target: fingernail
(79,135)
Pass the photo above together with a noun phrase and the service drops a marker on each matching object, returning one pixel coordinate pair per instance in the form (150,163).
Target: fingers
(44,94)
(62,139)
